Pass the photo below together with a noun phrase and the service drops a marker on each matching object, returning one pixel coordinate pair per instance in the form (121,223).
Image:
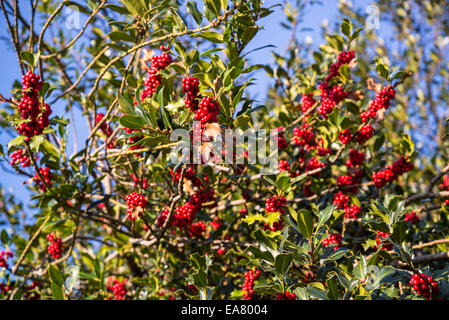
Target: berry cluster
(19,156)
(353,211)
(349,182)
(190,87)
(326,107)
(184,215)
(31,109)
(345,136)
(197,229)
(136,203)
(386,245)
(314,164)
(208,110)
(307,101)
(391,173)
(331,96)
(106,129)
(411,217)
(46,175)
(286,296)
(333,239)
(355,158)
(282,143)
(345,180)
(284,166)
(117,288)
(382,101)
(4,255)
(344,57)
(424,285)
(341,200)
(55,247)
(304,136)
(364,134)
(276,204)
(248,284)
(154,78)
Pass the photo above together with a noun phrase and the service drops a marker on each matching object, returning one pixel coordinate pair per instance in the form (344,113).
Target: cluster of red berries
(333,239)
(55,247)
(208,110)
(307,101)
(331,96)
(46,175)
(161,62)
(344,57)
(190,87)
(189,174)
(365,133)
(424,285)
(353,211)
(282,143)
(386,245)
(197,229)
(248,284)
(286,296)
(4,256)
(304,136)
(391,173)
(106,129)
(284,166)
(345,136)
(313,164)
(118,288)
(19,156)
(321,150)
(355,158)
(345,180)
(185,214)
(136,203)
(411,217)
(341,200)
(350,182)
(154,79)
(326,107)
(31,109)
(276,204)
(382,101)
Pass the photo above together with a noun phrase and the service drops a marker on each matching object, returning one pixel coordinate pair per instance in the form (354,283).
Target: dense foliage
(353,211)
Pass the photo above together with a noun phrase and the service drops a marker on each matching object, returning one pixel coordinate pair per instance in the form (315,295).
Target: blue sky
(272,33)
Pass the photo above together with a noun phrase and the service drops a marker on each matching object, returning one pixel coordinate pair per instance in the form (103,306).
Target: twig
(28,246)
